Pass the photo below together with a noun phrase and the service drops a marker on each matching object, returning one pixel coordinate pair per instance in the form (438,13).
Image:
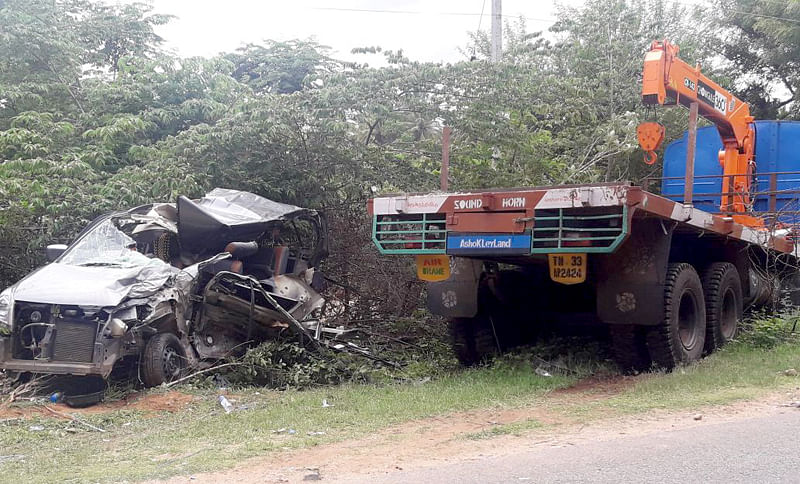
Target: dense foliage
(96,115)
(761,39)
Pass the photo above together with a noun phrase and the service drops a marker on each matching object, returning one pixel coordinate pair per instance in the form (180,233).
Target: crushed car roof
(225,215)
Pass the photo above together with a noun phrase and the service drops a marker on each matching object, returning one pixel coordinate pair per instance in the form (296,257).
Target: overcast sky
(431,30)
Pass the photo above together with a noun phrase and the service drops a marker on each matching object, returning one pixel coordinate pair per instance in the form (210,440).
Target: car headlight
(5,312)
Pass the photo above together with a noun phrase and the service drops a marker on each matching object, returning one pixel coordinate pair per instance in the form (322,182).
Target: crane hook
(650,136)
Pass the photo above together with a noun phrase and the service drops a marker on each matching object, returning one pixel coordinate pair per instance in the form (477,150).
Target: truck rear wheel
(462,340)
(680,336)
(472,339)
(486,340)
(629,347)
(723,291)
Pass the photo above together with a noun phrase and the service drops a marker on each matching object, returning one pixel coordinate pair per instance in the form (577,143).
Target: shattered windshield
(105,245)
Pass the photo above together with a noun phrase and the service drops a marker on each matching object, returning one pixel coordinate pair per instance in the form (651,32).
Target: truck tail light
(412,245)
(575,239)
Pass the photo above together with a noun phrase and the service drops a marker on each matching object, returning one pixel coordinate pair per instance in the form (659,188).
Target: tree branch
(66,84)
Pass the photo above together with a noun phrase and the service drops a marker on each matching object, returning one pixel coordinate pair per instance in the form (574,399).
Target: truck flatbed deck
(587,218)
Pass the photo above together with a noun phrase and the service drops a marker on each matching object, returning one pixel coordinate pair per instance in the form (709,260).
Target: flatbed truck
(670,273)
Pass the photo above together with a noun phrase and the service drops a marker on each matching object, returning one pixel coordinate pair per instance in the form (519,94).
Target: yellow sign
(567,268)
(433,268)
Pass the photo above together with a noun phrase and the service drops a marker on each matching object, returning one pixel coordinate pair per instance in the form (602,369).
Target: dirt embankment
(457,437)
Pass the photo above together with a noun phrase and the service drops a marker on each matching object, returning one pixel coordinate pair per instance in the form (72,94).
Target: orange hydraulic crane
(667,80)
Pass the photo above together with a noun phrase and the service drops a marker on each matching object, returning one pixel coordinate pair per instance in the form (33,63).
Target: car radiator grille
(74,341)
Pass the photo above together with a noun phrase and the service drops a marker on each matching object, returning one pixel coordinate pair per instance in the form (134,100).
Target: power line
(417,12)
(751,14)
(480,19)
(534,19)
(791,20)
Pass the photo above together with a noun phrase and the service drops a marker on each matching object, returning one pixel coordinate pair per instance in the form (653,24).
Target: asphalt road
(755,450)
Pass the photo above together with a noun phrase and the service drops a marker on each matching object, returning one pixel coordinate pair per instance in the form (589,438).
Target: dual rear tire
(700,315)
(681,335)
(723,291)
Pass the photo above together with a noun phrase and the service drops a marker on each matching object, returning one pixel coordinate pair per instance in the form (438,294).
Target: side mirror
(54,251)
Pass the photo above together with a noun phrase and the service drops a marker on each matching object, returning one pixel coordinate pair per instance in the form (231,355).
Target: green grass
(737,372)
(514,428)
(201,437)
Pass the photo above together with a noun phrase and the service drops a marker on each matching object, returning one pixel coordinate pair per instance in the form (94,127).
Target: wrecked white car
(170,286)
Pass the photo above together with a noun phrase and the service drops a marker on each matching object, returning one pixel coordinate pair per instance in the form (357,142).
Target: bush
(287,364)
(579,356)
(765,331)
(405,349)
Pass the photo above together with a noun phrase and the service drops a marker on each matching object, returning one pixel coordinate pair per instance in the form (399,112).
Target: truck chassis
(670,280)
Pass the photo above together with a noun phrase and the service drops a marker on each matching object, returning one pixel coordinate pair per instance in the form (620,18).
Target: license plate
(567,268)
(488,244)
(433,268)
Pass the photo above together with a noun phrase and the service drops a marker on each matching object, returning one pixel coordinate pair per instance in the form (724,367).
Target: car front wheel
(163,361)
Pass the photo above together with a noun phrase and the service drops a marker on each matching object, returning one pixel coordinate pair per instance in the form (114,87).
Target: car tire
(90,391)
(724,304)
(163,360)
(680,336)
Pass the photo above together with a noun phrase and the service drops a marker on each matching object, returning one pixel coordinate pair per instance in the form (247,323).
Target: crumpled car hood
(225,215)
(92,286)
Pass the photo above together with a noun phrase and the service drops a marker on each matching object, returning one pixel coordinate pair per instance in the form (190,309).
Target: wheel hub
(171,362)
(687,321)
(729,315)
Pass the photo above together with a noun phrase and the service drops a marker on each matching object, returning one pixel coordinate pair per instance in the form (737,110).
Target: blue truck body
(777,150)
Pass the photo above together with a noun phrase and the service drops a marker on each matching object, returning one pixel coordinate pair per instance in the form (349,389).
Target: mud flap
(630,282)
(457,297)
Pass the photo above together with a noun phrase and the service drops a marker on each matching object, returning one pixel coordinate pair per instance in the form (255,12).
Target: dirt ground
(434,440)
(149,403)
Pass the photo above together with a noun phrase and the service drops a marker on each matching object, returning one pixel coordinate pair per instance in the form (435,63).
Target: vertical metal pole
(773,195)
(497,30)
(688,184)
(445,158)
(731,194)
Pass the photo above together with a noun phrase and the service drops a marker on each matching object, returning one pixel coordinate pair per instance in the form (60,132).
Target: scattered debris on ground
(150,403)
(414,357)
(281,363)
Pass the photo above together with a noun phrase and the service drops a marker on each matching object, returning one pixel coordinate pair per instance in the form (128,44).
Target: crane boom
(669,80)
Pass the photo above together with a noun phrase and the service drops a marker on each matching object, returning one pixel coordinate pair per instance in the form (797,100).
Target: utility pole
(497,30)
(443,178)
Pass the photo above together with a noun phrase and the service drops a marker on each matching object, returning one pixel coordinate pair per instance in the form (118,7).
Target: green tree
(110,33)
(281,67)
(74,143)
(761,39)
(285,120)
